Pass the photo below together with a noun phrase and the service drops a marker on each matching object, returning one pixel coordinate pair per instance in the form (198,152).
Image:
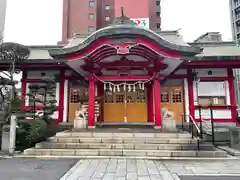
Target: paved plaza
(132,169)
(119,169)
(33,169)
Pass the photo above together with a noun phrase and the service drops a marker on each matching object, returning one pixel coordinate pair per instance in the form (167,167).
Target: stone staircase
(146,145)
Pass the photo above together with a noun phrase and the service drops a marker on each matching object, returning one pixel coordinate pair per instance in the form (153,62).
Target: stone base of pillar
(91,127)
(157,127)
(80,123)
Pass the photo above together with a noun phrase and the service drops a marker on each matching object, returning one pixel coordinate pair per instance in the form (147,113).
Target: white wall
(216,72)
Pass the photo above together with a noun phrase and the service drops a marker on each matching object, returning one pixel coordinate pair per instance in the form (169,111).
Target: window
(78,95)
(107,18)
(158,3)
(90,29)
(91,3)
(210,93)
(158,14)
(91,16)
(176,95)
(107,7)
(165,97)
(158,25)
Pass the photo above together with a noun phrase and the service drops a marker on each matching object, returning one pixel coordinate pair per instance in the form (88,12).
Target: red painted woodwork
(100,94)
(91,102)
(190,94)
(23,90)
(150,104)
(158,117)
(35,66)
(124,78)
(219,120)
(39,108)
(217,107)
(61,97)
(212,63)
(94,49)
(232,95)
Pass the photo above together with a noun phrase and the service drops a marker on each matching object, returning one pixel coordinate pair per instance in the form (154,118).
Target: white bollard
(12,136)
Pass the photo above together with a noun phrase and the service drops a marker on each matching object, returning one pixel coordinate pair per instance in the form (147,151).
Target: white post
(12,136)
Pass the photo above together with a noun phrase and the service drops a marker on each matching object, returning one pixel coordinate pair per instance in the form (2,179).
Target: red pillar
(232,95)
(61,96)
(150,102)
(190,94)
(91,103)
(100,90)
(24,89)
(157,103)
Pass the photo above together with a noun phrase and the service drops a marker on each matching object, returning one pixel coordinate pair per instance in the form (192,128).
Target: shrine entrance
(125,104)
(172,101)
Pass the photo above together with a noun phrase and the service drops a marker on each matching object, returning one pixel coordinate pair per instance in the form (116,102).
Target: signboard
(211,89)
(144,22)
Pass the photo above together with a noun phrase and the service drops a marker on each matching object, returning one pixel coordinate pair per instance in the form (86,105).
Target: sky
(39,22)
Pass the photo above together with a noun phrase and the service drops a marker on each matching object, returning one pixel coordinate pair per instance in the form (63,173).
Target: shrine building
(133,73)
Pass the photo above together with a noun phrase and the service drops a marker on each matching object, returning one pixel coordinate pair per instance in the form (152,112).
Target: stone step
(121,140)
(123,152)
(48,145)
(123,135)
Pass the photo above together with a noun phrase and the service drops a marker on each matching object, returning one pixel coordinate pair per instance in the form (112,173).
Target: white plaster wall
(186,99)
(37,74)
(216,72)
(217,114)
(65,110)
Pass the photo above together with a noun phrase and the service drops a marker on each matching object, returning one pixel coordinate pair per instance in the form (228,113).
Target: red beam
(211,63)
(124,63)
(123,78)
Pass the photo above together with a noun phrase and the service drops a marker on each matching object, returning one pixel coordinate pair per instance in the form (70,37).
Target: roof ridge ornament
(123,20)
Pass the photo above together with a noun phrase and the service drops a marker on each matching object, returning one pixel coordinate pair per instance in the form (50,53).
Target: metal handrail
(195,124)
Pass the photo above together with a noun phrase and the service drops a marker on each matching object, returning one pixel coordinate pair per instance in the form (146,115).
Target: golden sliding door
(136,106)
(114,106)
(125,106)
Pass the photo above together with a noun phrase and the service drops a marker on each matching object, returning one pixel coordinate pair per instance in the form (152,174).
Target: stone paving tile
(203,167)
(137,169)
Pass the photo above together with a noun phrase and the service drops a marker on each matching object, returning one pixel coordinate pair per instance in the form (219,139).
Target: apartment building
(87,16)
(3,6)
(235,18)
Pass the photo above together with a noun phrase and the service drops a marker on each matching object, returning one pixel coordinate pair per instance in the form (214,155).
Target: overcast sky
(39,22)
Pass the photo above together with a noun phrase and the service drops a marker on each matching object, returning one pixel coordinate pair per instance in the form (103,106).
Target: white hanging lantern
(114,88)
(105,87)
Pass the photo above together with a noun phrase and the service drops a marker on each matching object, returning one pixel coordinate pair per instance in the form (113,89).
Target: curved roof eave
(126,31)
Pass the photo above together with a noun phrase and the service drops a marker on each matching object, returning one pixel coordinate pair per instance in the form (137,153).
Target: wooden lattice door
(173,102)
(77,96)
